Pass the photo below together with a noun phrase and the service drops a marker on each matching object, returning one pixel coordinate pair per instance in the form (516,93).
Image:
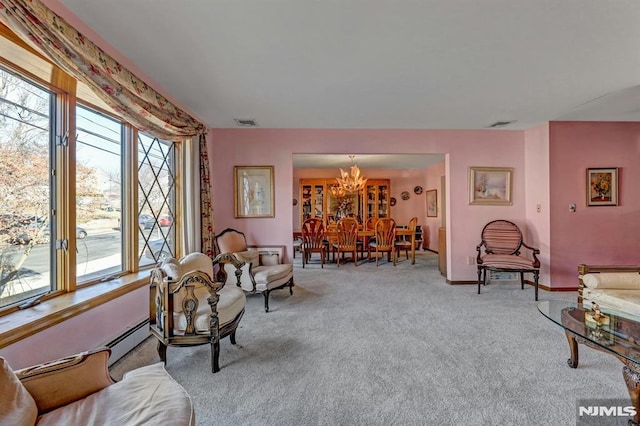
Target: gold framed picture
(602,186)
(490,185)
(254,191)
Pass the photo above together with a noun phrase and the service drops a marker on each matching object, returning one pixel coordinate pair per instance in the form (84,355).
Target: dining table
(332,236)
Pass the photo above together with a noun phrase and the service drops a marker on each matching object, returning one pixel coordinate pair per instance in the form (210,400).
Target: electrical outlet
(471,260)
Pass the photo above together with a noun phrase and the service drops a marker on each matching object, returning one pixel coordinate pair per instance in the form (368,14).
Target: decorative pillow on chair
(17,406)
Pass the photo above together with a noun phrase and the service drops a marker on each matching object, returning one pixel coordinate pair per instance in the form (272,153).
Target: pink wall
(229,147)
(82,332)
(597,235)
(537,231)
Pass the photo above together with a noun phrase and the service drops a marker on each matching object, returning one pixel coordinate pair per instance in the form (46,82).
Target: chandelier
(349,183)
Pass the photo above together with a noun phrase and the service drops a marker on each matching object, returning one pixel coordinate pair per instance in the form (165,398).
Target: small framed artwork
(602,186)
(254,193)
(490,185)
(432,203)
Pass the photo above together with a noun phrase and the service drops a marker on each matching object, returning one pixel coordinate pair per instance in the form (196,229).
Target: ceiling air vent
(500,124)
(246,122)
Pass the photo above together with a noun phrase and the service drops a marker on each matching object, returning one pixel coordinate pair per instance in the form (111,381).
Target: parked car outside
(26,237)
(146,221)
(165,220)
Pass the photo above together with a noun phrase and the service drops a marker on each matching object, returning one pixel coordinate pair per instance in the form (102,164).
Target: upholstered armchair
(190,308)
(501,250)
(255,277)
(77,390)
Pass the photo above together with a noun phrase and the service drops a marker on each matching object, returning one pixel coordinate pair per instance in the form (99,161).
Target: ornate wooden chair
(313,240)
(385,237)
(255,277)
(347,240)
(502,243)
(406,244)
(190,308)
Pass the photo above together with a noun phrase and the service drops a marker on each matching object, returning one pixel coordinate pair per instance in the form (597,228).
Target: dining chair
(385,236)
(347,239)
(406,244)
(313,240)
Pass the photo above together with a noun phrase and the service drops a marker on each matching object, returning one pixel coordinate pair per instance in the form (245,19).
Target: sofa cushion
(17,406)
(147,395)
(625,302)
(613,280)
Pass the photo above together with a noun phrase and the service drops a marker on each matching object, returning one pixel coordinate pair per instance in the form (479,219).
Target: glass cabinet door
(383,200)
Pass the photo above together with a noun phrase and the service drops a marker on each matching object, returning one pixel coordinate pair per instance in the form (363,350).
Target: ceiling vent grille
(246,122)
(500,124)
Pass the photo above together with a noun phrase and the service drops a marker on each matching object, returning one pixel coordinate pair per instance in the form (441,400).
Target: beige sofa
(613,287)
(78,390)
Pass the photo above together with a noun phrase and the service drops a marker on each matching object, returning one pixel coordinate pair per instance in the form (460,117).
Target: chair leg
(162,351)
(522,280)
(479,278)
(215,353)
(232,337)
(291,286)
(266,300)
(535,279)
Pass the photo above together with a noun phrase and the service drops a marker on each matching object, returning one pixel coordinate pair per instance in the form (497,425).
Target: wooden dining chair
(313,240)
(385,237)
(406,244)
(347,239)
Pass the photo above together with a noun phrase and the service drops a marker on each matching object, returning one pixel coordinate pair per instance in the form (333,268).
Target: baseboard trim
(531,283)
(128,340)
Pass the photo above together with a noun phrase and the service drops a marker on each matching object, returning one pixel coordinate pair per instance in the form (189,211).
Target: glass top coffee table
(605,330)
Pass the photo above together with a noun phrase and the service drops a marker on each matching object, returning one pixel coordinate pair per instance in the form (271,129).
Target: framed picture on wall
(253,191)
(602,186)
(490,185)
(432,203)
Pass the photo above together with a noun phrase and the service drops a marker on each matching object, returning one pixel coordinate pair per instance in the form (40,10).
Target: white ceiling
(395,64)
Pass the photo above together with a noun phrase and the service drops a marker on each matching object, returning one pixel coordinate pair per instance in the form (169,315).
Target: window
(99,178)
(104,199)
(25,188)
(156,195)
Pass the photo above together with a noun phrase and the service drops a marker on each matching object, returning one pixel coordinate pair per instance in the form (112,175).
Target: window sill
(24,323)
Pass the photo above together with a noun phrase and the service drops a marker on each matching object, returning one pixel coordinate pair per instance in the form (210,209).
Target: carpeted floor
(390,345)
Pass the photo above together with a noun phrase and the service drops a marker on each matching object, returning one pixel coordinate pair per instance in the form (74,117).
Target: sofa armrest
(584,269)
(57,383)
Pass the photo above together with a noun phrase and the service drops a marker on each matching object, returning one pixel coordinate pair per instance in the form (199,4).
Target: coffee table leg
(632,379)
(573,347)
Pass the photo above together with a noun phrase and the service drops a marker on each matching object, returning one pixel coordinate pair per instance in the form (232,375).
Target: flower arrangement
(601,184)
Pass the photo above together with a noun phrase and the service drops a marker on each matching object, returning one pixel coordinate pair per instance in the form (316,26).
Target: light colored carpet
(390,345)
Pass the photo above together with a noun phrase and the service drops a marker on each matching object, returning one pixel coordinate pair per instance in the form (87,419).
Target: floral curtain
(129,96)
(206,205)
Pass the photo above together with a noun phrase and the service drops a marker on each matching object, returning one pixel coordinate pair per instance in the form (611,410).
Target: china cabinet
(316,200)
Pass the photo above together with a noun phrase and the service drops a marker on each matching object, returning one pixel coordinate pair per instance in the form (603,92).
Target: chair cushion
(147,395)
(268,277)
(507,261)
(615,280)
(231,303)
(17,406)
